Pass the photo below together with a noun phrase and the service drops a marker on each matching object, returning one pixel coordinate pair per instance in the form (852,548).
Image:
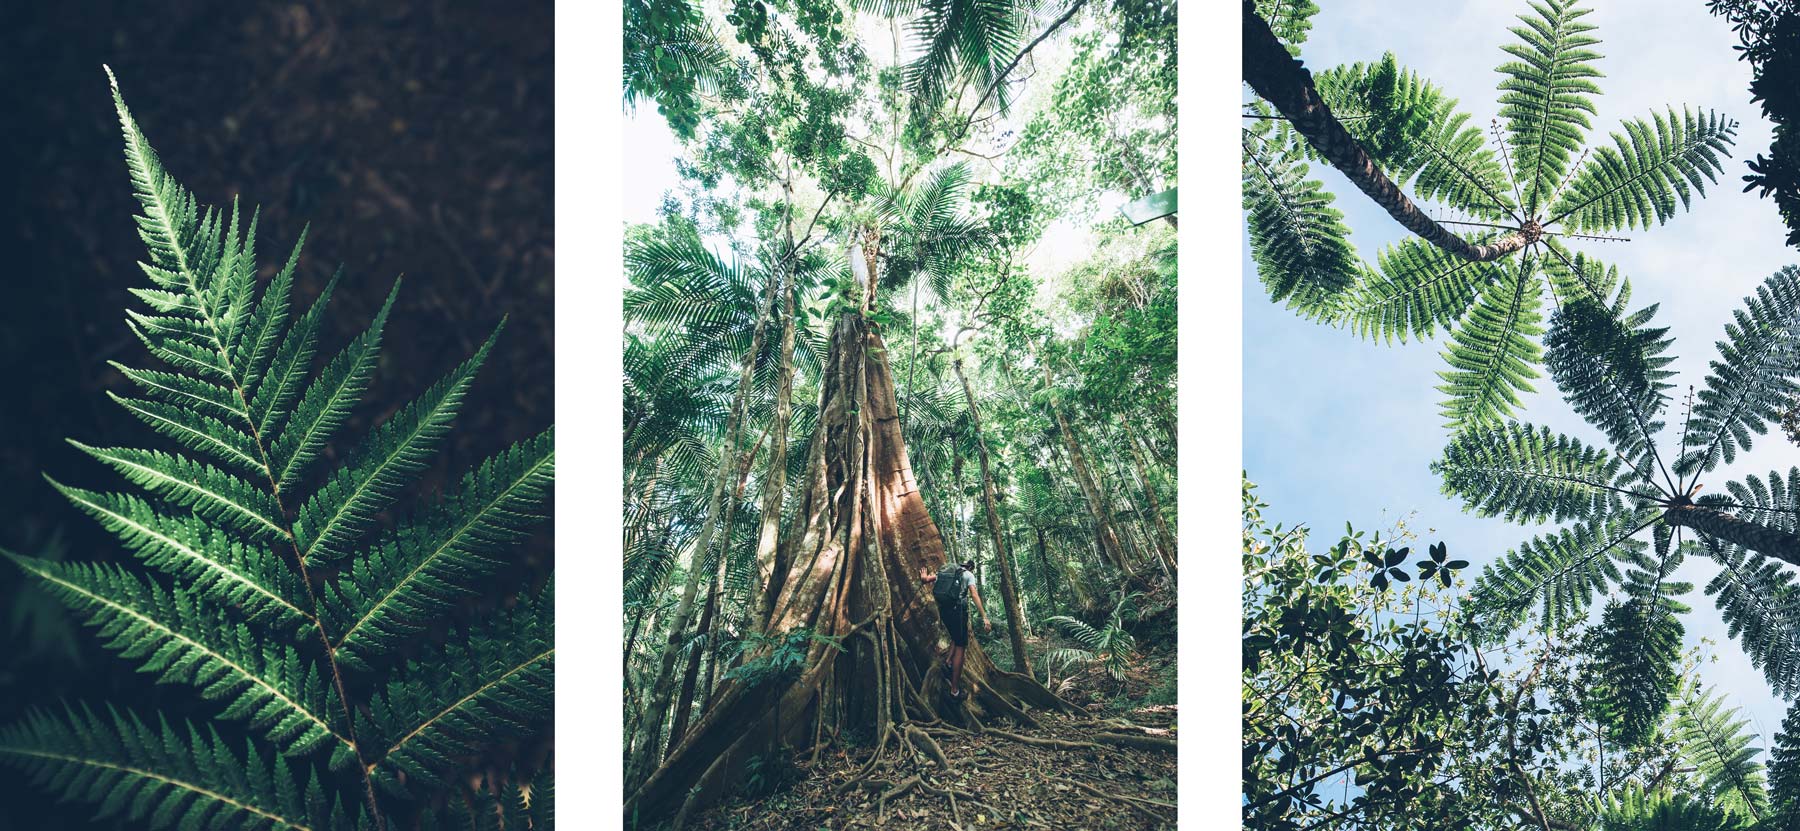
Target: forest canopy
(891,319)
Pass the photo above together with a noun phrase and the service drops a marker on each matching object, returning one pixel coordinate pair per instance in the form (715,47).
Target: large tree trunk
(1283,81)
(851,587)
(1098,508)
(1009,590)
(731,460)
(1769,542)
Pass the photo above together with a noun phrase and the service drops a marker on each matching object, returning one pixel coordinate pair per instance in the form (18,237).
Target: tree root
(1142,741)
(1136,803)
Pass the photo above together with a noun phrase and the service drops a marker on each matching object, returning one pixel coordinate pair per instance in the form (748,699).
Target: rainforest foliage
(1559,688)
(890,320)
(285,574)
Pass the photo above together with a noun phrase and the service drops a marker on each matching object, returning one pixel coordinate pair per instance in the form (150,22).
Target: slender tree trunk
(729,465)
(1104,526)
(774,485)
(1165,540)
(1009,591)
(1762,539)
(1049,571)
(684,704)
(1283,81)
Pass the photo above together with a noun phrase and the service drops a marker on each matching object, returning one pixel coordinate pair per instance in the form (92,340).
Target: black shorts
(957,623)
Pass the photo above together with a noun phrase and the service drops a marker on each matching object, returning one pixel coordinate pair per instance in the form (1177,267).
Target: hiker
(950,586)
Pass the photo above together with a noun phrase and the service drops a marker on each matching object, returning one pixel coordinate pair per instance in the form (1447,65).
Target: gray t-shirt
(968,581)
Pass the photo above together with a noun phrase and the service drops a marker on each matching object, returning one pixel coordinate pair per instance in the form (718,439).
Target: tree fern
(1522,196)
(1753,378)
(1784,771)
(277,586)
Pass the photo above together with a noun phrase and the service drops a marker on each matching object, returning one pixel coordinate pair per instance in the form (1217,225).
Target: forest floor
(992,781)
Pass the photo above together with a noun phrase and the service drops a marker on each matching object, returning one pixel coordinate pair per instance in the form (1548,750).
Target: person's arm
(926,575)
(975,593)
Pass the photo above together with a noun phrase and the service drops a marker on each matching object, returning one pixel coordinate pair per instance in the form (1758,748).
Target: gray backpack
(949,590)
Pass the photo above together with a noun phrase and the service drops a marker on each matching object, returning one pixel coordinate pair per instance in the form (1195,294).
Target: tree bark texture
(851,593)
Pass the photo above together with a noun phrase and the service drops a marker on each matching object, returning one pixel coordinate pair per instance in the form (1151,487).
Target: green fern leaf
(1752,380)
(176,637)
(1545,97)
(1299,242)
(1654,164)
(1416,289)
(1528,475)
(1558,572)
(1712,739)
(500,679)
(441,554)
(161,777)
(1492,354)
(345,507)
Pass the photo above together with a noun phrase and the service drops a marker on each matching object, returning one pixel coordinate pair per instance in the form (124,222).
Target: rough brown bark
(1761,539)
(1009,591)
(1283,81)
(853,552)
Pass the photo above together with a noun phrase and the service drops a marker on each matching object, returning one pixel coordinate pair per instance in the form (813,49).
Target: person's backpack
(949,590)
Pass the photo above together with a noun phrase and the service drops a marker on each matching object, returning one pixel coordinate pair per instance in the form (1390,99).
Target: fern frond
(1631,809)
(498,681)
(1760,605)
(1654,164)
(207,560)
(1545,98)
(1528,475)
(1784,771)
(1415,288)
(1290,20)
(1493,352)
(209,492)
(1297,239)
(438,556)
(1712,739)
(1753,378)
(175,636)
(1636,661)
(161,777)
(327,402)
(1610,369)
(345,507)
(1559,572)
(1414,131)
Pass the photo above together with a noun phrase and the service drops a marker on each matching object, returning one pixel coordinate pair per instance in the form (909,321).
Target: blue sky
(1337,428)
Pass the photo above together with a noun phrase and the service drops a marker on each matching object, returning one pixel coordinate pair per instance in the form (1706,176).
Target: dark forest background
(415,137)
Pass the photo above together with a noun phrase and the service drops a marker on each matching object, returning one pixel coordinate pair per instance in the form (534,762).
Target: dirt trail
(1067,773)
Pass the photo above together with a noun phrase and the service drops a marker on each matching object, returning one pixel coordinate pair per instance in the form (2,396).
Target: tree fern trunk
(684,704)
(1283,81)
(1718,524)
(1009,591)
